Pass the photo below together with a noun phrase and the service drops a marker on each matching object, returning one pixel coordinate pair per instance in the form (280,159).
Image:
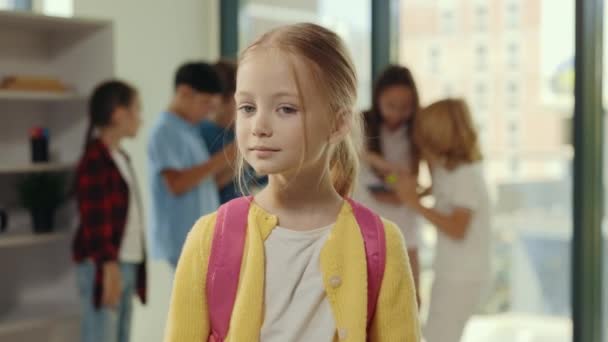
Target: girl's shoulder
(198,242)
(396,252)
(463,170)
(94,156)
(470,171)
(394,237)
(203,228)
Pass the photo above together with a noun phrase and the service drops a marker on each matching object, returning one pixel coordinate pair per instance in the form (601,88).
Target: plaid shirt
(103,197)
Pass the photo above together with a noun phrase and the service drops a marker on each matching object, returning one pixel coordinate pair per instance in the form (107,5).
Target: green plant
(42,191)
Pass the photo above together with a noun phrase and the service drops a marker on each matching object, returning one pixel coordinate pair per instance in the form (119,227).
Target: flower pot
(43,220)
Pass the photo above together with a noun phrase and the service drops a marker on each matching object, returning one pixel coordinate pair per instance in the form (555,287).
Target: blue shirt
(176,144)
(216,138)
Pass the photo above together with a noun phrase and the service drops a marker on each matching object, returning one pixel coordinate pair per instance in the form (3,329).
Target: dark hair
(226,71)
(106,97)
(393,75)
(200,76)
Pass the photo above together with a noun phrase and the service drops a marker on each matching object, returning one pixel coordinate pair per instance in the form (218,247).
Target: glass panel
(23,5)
(504,59)
(350,19)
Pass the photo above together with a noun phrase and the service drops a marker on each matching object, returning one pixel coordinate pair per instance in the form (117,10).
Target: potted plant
(42,194)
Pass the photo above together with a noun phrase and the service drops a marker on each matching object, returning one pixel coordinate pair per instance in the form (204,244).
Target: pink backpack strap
(225,264)
(374,240)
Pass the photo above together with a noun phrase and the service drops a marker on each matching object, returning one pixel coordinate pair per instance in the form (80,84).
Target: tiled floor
(518,328)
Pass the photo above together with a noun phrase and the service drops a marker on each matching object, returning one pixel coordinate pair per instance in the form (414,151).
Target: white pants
(453,301)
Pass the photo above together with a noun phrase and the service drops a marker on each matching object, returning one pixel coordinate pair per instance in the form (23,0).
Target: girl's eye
(247,109)
(287,110)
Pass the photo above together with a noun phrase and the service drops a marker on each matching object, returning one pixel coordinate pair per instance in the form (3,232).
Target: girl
(109,247)
(446,137)
(389,127)
(303,275)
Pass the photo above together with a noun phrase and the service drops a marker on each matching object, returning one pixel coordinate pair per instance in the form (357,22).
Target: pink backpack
(227,254)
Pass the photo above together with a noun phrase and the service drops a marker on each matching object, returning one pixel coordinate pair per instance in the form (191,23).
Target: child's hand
(384,166)
(406,189)
(112,284)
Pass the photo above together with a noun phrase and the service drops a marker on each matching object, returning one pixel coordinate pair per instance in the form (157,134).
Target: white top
(296,306)
(396,148)
(132,246)
(464,187)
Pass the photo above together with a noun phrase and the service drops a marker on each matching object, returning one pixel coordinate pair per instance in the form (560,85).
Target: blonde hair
(333,72)
(445,131)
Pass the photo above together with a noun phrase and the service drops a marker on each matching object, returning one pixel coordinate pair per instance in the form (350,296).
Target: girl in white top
(389,150)
(109,246)
(447,140)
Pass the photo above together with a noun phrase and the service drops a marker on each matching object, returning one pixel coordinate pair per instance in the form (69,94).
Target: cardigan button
(335,281)
(342,334)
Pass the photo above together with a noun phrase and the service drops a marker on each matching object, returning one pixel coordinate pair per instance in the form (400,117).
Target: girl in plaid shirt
(109,247)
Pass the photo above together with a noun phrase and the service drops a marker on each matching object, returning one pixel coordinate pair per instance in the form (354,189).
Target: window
(513,14)
(512,95)
(434,59)
(514,166)
(448,21)
(481,57)
(512,54)
(480,102)
(481,16)
(513,134)
(532,221)
(480,89)
(448,90)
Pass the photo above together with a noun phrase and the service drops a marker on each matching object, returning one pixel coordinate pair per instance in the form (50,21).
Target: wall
(151,39)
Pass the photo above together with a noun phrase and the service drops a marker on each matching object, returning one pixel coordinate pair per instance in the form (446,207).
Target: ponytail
(106,97)
(88,135)
(344,162)
(344,168)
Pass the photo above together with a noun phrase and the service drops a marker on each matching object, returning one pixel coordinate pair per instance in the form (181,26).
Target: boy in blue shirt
(218,131)
(184,177)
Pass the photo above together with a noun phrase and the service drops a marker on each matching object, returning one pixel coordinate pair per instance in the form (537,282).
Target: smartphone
(379,188)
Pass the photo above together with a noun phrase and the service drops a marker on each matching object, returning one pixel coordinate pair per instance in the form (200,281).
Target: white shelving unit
(30,239)
(39,96)
(35,167)
(38,295)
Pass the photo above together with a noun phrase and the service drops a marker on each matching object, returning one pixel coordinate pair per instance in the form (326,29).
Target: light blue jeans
(105,324)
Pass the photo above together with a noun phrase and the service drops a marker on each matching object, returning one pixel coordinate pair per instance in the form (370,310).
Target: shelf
(38,96)
(29,238)
(36,316)
(47,24)
(36,167)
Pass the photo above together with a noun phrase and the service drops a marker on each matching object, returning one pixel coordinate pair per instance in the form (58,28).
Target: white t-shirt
(396,148)
(296,305)
(464,187)
(132,246)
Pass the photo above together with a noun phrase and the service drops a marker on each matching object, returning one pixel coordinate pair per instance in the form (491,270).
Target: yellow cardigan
(343,255)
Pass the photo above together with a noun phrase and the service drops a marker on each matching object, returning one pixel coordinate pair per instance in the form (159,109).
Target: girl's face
(276,133)
(128,119)
(396,105)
